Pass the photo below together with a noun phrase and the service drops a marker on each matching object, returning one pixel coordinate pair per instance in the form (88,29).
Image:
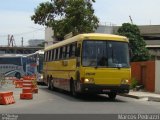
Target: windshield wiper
(119,66)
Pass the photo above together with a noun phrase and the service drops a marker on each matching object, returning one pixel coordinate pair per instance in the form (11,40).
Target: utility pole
(11,41)
(22,41)
(8,39)
(131,19)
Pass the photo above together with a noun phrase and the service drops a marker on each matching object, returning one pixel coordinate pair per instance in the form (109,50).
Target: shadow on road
(82,98)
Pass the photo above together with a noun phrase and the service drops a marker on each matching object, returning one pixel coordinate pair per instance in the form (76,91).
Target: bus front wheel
(73,89)
(112,95)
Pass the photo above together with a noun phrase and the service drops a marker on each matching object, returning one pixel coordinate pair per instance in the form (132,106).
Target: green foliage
(65,16)
(134,83)
(41,45)
(136,42)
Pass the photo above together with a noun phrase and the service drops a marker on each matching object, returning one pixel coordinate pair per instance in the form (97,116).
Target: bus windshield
(105,54)
(11,60)
(34,63)
(40,67)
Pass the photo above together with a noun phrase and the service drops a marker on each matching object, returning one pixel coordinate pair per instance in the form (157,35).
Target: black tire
(52,85)
(49,84)
(73,90)
(18,75)
(112,95)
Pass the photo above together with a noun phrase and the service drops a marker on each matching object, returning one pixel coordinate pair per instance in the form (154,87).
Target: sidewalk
(139,95)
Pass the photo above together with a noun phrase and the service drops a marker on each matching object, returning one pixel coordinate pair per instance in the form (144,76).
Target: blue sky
(15,16)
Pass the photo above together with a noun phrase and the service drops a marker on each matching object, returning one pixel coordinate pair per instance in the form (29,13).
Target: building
(49,36)
(105,29)
(150,33)
(35,42)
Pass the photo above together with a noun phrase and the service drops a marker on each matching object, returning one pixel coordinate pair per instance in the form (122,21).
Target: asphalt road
(56,102)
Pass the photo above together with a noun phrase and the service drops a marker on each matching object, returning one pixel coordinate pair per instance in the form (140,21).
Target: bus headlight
(124,81)
(88,80)
(41,76)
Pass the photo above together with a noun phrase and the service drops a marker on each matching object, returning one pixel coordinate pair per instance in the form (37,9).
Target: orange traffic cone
(6,98)
(27,90)
(26,96)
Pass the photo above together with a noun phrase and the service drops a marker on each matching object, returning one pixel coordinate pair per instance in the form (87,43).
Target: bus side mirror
(130,53)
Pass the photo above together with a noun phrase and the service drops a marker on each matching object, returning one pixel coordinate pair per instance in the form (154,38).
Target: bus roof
(11,55)
(88,36)
(40,52)
(37,52)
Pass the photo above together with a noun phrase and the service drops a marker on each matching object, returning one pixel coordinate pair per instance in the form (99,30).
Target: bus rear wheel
(112,95)
(49,84)
(18,75)
(49,87)
(52,85)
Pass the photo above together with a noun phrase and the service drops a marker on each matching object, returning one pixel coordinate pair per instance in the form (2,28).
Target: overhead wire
(24,33)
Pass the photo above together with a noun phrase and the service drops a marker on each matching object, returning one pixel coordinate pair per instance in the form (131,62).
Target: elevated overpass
(18,50)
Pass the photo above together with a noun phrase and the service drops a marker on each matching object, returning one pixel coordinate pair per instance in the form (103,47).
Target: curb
(156,99)
(133,96)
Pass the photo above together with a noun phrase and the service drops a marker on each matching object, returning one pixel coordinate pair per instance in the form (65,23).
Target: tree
(65,16)
(41,45)
(136,42)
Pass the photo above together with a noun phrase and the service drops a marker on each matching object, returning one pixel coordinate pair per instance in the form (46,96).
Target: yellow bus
(89,63)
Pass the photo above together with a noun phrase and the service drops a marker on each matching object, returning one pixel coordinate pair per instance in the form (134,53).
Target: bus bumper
(103,89)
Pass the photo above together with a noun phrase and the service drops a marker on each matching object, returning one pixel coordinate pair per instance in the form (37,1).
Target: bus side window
(49,55)
(67,51)
(61,53)
(45,56)
(52,55)
(72,50)
(56,55)
(64,52)
(77,51)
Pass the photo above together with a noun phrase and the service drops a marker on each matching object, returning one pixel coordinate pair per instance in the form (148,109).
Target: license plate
(106,90)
